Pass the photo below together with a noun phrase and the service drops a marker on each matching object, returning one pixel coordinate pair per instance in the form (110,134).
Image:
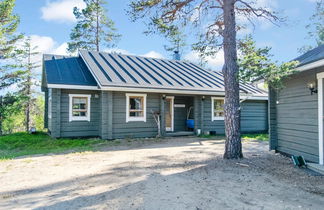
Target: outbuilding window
(135,107)
(79,107)
(217,108)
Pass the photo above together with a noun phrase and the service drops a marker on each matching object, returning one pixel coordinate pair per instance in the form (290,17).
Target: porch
(180,115)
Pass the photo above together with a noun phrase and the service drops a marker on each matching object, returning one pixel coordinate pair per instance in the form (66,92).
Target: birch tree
(214,23)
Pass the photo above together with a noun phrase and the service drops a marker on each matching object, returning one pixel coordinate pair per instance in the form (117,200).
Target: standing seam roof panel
(175,80)
(189,71)
(131,68)
(101,76)
(81,70)
(147,72)
(110,70)
(184,73)
(161,74)
(138,68)
(175,74)
(204,72)
(207,81)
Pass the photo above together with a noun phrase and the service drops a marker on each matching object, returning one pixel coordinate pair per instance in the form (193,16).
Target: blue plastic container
(191,124)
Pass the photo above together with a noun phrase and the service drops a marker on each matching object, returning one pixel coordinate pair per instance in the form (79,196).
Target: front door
(169,113)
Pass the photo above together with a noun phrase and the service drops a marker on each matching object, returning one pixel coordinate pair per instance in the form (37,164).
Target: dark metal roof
(311,56)
(116,70)
(67,70)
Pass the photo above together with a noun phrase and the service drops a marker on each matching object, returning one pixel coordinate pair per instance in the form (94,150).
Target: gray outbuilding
(296,111)
(117,96)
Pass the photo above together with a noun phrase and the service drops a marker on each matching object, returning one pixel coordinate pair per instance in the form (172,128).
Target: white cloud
(60,50)
(61,10)
(216,62)
(153,54)
(117,50)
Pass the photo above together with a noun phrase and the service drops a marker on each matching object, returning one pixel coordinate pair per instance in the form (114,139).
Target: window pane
(218,108)
(136,103)
(136,114)
(83,114)
(76,113)
(83,106)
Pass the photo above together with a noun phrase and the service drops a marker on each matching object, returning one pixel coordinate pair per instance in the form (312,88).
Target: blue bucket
(191,124)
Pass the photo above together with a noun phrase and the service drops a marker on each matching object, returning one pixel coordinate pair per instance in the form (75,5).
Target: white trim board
(213,118)
(134,119)
(312,65)
(76,87)
(320,93)
(79,118)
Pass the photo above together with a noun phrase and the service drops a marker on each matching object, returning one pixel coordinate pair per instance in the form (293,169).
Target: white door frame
(320,77)
(172,114)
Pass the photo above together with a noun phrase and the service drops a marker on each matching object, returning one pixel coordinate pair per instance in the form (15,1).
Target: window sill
(217,118)
(80,119)
(136,119)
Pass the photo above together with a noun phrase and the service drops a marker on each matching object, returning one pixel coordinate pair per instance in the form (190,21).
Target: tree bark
(97,26)
(233,145)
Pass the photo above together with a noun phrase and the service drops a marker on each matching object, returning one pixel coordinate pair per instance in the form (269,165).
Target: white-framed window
(217,108)
(135,107)
(79,107)
(49,104)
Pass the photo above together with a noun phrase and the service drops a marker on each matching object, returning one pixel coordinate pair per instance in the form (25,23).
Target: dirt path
(178,173)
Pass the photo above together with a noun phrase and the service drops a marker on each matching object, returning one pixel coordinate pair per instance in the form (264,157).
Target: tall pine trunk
(97,26)
(233,145)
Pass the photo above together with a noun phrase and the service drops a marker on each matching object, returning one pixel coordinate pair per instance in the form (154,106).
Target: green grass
(260,136)
(20,144)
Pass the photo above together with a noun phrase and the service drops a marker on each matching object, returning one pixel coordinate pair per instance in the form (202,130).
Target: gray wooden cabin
(114,96)
(296,111)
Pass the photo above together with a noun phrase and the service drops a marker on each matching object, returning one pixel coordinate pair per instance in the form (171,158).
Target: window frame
(79,118)
(212,108)
(132,118)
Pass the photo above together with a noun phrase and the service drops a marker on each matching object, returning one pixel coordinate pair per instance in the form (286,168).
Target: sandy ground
(175,173)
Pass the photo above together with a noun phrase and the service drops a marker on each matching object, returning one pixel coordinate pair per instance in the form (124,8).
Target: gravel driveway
(174,173)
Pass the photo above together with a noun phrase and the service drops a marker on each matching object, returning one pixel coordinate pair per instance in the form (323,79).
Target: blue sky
(49,23)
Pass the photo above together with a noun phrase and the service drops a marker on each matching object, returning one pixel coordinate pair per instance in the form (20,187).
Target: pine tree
(215,25)
(8,39)
(28,64)
(93,29)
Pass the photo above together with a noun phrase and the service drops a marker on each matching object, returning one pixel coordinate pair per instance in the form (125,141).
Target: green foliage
(8,39)
(260,136)
(93,29)
(201,18)
(256,64)
(14,113)
(19,144)
(316,27)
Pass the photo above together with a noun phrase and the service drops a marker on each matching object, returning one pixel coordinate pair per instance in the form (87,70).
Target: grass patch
(20,144)
(260,136)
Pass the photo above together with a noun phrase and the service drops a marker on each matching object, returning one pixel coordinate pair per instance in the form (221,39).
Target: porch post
(320,87)
(162,114)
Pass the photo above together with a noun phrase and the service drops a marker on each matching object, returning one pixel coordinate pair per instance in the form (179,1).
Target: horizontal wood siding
(123,129)
(254,117)
(297,117)
(80,128)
